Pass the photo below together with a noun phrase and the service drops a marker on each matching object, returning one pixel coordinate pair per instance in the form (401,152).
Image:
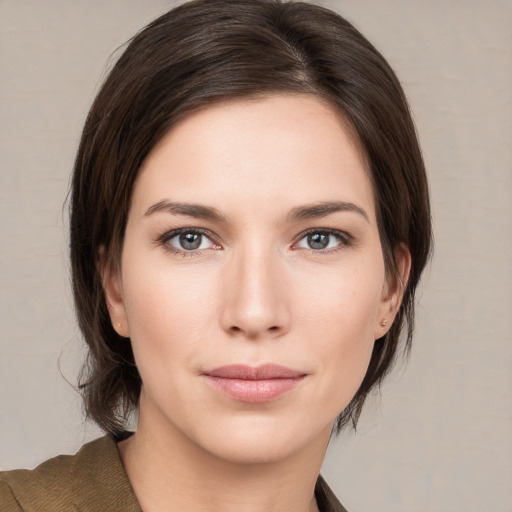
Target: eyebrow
(197,211)
(313,211)
(319,210)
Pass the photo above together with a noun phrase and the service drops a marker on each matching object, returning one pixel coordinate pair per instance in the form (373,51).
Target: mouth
(254,384)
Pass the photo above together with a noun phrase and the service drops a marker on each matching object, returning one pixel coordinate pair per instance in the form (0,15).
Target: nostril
(236,330)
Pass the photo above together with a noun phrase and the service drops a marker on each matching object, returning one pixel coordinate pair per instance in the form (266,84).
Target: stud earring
(384,322)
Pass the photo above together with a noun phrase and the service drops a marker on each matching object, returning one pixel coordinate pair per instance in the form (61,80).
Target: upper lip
(262,372)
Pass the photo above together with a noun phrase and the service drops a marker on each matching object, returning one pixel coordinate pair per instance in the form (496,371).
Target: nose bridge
(255,302)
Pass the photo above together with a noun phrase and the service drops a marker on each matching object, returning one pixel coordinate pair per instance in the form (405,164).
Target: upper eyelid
(330,231)
(165,238)
(168,235)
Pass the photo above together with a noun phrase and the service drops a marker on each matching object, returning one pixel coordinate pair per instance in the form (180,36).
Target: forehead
(282,148)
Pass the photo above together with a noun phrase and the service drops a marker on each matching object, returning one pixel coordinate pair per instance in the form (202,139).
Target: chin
(261,441)
(242,450)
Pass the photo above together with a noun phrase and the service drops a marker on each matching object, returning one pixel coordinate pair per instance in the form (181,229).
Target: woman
(249,222)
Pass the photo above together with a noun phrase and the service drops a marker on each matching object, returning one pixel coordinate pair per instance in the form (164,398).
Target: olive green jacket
(92,480)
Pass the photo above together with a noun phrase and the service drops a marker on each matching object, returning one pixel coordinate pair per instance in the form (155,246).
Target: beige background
(440,439)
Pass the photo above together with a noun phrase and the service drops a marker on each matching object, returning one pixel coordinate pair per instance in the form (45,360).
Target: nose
(255,304)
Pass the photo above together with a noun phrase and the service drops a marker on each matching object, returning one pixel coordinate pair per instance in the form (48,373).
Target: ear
(393,291)
(113,289)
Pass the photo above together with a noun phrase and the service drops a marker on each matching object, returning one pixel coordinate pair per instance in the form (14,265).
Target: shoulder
(93,479)
(326,499)
(46,486)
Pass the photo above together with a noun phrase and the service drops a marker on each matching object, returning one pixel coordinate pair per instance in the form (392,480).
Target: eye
(188,240)
(323,240)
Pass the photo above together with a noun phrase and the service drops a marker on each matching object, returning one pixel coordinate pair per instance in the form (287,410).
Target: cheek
(338,319)
(342,302)
(167,310)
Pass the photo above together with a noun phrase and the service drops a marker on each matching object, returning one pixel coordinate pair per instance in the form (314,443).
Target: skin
(254,292)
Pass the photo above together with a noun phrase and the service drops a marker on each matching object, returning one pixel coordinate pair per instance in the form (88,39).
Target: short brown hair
(206,51)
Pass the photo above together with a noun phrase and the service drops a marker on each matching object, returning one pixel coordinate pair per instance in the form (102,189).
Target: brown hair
(207,51)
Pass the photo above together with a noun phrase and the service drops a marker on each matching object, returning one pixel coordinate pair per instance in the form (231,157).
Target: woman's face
(252,280)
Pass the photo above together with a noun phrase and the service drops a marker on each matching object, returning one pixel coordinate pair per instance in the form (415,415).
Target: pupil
(190,241)
(318,241)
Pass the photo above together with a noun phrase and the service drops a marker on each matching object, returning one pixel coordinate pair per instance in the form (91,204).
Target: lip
(254,384)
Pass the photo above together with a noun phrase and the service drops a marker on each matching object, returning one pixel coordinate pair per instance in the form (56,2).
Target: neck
(170,472)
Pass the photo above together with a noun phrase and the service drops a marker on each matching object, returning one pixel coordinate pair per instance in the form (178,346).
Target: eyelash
(166,237)
(345,240)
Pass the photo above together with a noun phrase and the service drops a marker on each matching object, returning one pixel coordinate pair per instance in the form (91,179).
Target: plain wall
(440,438)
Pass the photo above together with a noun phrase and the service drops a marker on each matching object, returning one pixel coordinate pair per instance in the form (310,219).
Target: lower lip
(254,391)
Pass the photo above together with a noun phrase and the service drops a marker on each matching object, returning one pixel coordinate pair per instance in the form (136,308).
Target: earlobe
(393,291)
(113,290)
